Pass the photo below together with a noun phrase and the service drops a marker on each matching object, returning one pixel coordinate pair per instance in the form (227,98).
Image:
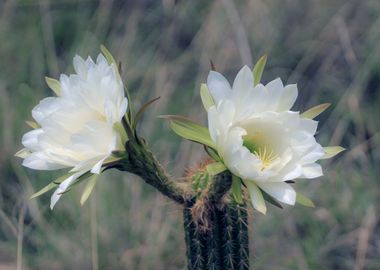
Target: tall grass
(330,48)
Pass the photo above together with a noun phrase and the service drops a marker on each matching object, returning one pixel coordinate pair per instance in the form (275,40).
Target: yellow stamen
(266,156)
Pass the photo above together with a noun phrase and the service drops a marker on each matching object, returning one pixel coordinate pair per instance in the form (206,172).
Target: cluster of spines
(199,182)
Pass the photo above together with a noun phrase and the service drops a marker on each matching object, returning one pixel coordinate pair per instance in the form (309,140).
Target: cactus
(215,226)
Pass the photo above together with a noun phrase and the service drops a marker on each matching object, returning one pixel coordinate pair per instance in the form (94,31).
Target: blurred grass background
(330,48)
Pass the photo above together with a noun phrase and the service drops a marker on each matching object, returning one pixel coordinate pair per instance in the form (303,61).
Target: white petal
(110,112)
(30,139)
(226,110)
(94,140)
(313,154)
(312,171)
(259,99)
(45,108)
(275,87)
(98,166)
(243,81)
(123,108)
(292,172)
(213,123)
(101,59)
(85,165)
(288,97)
(80,66)
(63,187)
(220,119)
(218,86)
(309,125)
(257,199)
(275,90)
(281,191)
(39,161)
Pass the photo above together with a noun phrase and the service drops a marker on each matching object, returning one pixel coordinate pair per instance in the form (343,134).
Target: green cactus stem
(224,245)
(138,159)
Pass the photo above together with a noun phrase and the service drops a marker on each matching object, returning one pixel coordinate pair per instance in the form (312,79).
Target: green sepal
(258,69)
(88,188)
(23,153)
(301,199)
(332,151)
(51,185)
(206,97)
(212,153)
(107,54)
(129,114)
(189,130)
(54,85)
(44,190)
(236,189)
(32,124)
(216,168)
(315,111)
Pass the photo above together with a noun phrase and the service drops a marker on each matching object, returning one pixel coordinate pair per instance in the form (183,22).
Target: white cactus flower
(76,129)
(259,138)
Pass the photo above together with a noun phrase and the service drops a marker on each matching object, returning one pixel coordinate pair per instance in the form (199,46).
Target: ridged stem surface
(224,246)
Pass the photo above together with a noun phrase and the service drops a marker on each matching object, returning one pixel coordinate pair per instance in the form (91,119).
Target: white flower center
(258,145)
(266,157)
(265,142)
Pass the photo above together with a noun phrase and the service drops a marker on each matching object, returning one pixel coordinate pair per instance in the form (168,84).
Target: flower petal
(40,161)
(281,191)
(243,82)
(313,154)
(294,172)
(288,97)
(45,108)
(30,139)
(312,171)
(257,198)
(309,125)
(275,90)
(123,108)
(98,166)
(80,66)
(218,85)
(63,187)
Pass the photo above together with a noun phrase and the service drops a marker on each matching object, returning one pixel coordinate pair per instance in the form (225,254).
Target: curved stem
(138,159)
